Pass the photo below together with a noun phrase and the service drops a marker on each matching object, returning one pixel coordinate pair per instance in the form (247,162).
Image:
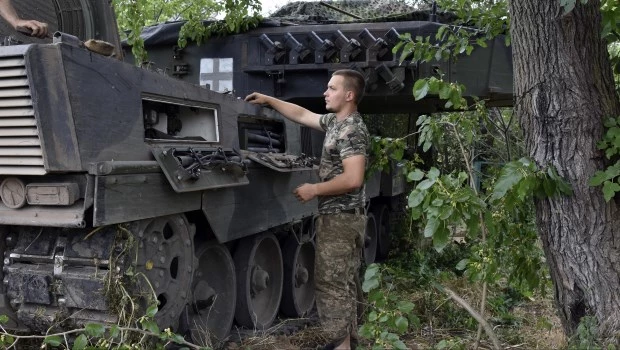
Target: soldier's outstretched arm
(291,111)
(7,11)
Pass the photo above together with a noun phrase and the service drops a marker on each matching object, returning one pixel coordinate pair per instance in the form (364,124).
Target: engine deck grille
(20,146)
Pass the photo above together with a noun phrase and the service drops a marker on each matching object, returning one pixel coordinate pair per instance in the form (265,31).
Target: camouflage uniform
(339,235)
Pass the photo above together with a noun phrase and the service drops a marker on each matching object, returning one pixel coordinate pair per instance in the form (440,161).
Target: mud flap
(195,169)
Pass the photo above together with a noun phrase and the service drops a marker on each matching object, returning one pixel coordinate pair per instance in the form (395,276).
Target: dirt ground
(538,328)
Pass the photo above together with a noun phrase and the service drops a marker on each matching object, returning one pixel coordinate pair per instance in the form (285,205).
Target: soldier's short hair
(353,81)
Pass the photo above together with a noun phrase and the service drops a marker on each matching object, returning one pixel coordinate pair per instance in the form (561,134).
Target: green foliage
(452,92)
(569,5)
(96,336)
(521,179)
(444,201)
(610,9)
(388,317)
(610,144)
(133,15)
(450,344)
(489,18)
(586,337)
(384,151)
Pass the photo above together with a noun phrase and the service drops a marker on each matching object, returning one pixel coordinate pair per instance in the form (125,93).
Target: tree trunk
(564,90)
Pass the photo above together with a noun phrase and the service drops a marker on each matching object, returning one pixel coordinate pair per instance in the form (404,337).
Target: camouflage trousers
(339,243)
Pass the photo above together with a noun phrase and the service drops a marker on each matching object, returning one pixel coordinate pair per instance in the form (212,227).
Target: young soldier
(341,198)
(39,29)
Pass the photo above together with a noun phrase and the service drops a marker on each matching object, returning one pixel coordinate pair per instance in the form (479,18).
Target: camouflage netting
(362,11)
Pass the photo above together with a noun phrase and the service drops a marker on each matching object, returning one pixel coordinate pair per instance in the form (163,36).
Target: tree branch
(487,328)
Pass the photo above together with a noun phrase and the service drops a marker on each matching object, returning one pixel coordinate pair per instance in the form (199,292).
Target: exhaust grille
(20,146)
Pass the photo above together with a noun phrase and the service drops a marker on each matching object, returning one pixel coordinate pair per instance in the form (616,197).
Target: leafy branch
(100,336)
(610,144)
(134,15)
(389,317)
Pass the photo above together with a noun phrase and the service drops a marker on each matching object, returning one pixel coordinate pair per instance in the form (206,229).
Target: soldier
(341,199)
(39,29)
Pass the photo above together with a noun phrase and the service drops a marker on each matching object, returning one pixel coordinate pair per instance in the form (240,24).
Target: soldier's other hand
(305,192)
(39,29)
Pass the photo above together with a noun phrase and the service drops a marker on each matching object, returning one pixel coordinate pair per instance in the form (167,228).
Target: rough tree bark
(564,90)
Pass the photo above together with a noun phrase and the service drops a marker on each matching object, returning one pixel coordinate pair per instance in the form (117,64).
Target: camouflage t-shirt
(342,140)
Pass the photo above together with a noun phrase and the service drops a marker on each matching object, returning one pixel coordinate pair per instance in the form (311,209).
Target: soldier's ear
(349,96)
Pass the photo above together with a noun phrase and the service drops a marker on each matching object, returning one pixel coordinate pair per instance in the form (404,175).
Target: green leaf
(415,198)
(610,189)
(610,123)
(369,285)
(402,324)
(427,145)
(151,311)
(433,174)
(568,5)
(441,238)
(177,338)
(431,227)
(416,175)
(94,330)
(420,89)
(8,339)
(424,185)
(462,265)
(397,154)
(438,54)
(508,178)
(372,316)
(4,319)
(405,306)
(80,342)
(525,187)
(400,345)
(440,32)
(600,176)
(114,331)
(416,213)
(564,188)
(549,187)
(53,340)
(444,92)
(433,85)
(366,331)
(437,202)
(150,326)
(372,271)
(392,337)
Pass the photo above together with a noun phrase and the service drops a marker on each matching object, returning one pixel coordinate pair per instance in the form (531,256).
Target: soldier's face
(336,96)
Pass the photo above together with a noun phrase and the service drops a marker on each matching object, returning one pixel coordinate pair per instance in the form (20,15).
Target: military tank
(122,186)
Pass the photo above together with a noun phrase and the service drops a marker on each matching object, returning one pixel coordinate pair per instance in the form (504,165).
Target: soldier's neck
(345,112)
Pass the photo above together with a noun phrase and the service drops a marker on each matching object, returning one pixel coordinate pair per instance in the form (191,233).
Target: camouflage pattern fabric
(339,244)
(342,140)
(361,8)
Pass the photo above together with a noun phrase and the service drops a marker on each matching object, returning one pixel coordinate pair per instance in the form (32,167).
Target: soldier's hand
(305,192)
(256,98)
(38,29)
